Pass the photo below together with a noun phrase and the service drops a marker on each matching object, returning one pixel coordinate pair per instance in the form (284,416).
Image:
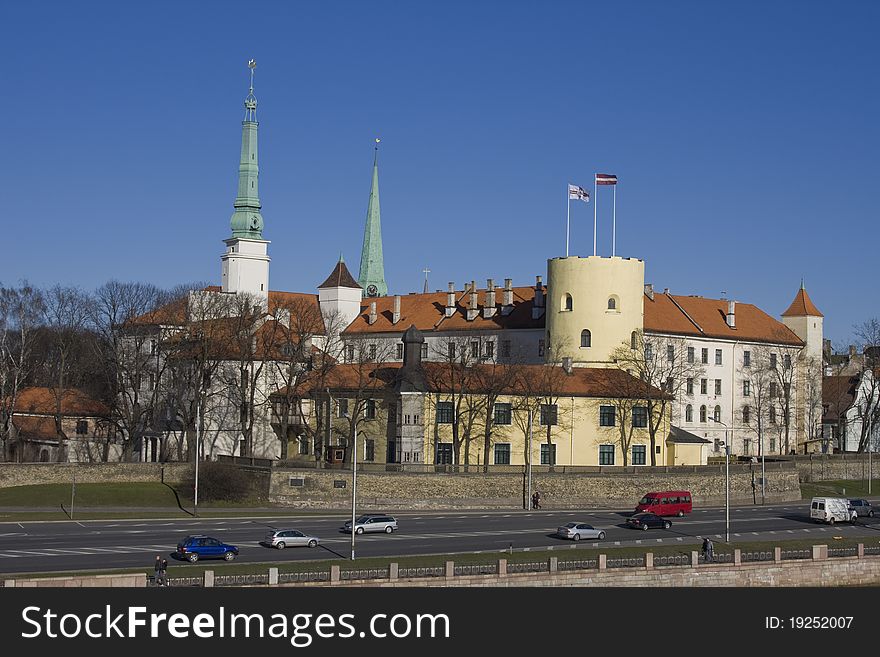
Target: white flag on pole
(576,193)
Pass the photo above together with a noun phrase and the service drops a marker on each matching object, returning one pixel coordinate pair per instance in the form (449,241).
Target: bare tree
(491,380)
(813,380)
(867,402)
(757,378)
(626,396)
(663,365)
(20,312)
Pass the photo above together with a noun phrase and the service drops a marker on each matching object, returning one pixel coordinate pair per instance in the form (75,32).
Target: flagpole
(595,205)
(614,222)
(567,218)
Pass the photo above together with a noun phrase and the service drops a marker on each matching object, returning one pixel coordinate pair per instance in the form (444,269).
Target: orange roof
(698,316)
(42,401)
(802,306)
(36,427)
(582,382)
(427,312)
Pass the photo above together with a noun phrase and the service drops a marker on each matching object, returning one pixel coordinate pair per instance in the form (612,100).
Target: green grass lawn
(840,488)
(153,495)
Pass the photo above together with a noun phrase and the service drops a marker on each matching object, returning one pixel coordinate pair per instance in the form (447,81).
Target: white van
(831,509)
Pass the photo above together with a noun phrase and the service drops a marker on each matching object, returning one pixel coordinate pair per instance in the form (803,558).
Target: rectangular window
(773,361)
(690,386)
(445,412)
(444,453)
(399,353)
(502,453)
(670,353)
(704,356)
(541,347)
(502,413)
(773,390)
(772,444)
(606,454)
(475,349)
(747,359)
(372,352)
(450,350)
(548,454)
(505,348)
(82,427)
(718,357)
(369,450)
(649,351)
(606,416)
(370,409)
(548,414)
(717,386)
(690,354)
(704,386)
(341,407)
(747,414)
(490,348)
(350,353)
(303,445)
(639,455)
(772,415)
(424,351)
(747,447)
(640,417)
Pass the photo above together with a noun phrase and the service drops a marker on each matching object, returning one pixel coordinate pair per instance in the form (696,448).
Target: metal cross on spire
(250,103)
(426,271)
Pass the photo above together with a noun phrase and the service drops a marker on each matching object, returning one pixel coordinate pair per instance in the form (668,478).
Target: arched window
(717,414)
(689,413)
(566,302)
(747,414)
(612,303)
(586,338)
(633,340)
(703,413)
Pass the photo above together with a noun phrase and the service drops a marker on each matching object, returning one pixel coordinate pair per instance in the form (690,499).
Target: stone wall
(27,474)
(130,580)
(824,467)
(389,490)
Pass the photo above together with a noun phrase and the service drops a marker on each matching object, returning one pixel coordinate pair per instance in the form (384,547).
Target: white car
(282,538)
(578,530)
(371,523)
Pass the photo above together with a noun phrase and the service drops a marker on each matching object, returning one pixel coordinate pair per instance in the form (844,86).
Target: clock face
(255,222)
(372,291)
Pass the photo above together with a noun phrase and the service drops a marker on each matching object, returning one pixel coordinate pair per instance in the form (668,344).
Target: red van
(666,503)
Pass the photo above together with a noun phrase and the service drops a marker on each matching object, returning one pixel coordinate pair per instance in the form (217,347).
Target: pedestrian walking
(162,578)
(536,500)
(708,550)
(157,567)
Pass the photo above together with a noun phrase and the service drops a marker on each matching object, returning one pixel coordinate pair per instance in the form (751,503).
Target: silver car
(578,530)
(283,538)
(371,523)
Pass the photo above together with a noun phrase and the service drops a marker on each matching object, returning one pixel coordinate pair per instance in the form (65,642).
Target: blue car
(193,548)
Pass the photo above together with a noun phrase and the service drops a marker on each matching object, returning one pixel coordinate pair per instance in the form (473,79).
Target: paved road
(107,544)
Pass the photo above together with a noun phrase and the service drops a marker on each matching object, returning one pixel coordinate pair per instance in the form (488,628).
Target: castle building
(735,375)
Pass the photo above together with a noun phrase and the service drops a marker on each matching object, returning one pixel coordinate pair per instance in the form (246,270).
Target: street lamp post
(726,481)
(354,488)
(529,484)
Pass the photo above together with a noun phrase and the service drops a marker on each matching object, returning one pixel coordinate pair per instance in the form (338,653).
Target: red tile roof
(427,312)
(698,316)
(802,306)
(42,401)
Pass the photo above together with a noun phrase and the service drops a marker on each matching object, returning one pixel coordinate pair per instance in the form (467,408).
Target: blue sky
(744,136)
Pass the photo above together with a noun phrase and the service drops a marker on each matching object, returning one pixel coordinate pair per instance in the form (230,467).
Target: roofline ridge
(685,313)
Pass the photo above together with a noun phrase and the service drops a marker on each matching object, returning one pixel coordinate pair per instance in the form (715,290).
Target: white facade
(245,267)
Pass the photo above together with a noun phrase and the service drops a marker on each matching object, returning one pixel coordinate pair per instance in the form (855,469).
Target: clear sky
(744,135)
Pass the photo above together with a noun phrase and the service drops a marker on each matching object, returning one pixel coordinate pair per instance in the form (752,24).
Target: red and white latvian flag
(576,193)
(605,179)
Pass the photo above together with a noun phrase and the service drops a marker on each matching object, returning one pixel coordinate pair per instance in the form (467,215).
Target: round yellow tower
(593,306)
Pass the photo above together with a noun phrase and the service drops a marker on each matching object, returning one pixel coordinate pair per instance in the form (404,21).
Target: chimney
(538,304)
(665,290)
(566,364)
(507,300)
(852,351)
(649,291)
(731,314)
(489,309)
(473,312)
(395,314)
(450,300)
(372,318)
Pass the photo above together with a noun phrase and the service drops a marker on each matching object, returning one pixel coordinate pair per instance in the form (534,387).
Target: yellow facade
(686,454)
(577,435)
(601,295)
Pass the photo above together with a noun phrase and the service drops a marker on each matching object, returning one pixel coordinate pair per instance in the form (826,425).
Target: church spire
(372,272)
(247,222)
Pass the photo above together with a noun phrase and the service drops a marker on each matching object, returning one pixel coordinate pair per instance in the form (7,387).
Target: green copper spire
(247,221)
(372,273)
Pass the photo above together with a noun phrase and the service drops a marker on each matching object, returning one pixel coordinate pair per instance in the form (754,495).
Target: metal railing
(290,578)
(241,580)
(426,571)
(762,555)
(625,562)
(476,569)
(580,564)
(532,567)
(367,573)
(797,554)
